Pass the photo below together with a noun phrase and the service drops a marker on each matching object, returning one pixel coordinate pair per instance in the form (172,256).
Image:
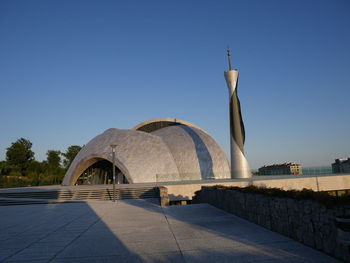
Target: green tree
(53,159)
(38,167)
(20,155)
(54,169)
(5,169)
(70,154)
(37,172)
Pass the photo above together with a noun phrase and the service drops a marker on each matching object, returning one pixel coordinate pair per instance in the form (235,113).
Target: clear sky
(71,69)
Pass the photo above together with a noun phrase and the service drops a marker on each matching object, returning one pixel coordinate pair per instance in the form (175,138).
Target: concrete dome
(173,152)
(196,154)
(160,123)
(139,155)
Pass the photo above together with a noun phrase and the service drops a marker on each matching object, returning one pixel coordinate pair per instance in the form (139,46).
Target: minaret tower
(239,164)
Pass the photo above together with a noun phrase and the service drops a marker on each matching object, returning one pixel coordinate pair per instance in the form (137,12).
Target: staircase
(62,196)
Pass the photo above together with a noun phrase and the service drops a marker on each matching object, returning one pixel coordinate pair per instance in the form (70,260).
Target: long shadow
(71,232)
(211,227)
(103,231)
(204,158)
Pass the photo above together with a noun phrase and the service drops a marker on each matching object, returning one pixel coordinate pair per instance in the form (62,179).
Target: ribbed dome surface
(172,153)
(196,154)
(140,156)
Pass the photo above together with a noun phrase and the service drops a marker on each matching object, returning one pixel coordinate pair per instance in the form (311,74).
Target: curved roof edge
(159,123)
(81,165)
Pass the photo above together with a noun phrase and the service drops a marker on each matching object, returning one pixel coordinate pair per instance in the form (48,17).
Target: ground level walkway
(140,231)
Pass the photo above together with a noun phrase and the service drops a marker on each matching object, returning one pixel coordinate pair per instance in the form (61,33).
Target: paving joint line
(172,232)
(94,223)
(37,241)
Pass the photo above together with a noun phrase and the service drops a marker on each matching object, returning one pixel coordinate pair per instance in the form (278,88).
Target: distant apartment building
(341,165)
(281,169)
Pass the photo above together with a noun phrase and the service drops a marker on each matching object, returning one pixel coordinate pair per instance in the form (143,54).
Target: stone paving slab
(140,231)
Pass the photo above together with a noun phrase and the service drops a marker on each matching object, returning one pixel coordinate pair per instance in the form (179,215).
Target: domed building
(158,150)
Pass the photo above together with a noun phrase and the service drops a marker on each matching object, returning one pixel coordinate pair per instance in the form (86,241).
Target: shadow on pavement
(207,234)
(71,232)
(140,231)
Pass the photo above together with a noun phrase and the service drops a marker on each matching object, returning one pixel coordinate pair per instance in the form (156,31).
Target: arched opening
(101,172)
(160,123)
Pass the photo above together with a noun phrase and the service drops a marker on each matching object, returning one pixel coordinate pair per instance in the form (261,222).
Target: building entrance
(101,173)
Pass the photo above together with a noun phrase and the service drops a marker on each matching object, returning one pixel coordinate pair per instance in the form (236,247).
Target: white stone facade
(174,153)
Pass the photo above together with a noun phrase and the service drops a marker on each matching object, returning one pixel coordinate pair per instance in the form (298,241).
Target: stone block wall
(163,196)
(306,221)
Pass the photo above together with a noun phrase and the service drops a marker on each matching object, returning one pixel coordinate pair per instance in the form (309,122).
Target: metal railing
(180,177)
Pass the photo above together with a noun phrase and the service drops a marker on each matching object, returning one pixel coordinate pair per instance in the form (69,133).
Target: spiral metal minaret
(239,164)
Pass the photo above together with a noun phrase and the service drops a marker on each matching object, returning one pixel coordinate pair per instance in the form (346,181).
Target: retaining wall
(306,221)
(185,190)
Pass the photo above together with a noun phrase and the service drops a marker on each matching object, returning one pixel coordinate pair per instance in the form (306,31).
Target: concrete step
(15,201)
(88,194)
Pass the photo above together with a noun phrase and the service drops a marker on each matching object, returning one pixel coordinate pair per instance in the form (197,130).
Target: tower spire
(239,164)
(229,58)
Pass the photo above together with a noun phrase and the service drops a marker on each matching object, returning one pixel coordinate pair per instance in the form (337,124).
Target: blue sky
(71,69)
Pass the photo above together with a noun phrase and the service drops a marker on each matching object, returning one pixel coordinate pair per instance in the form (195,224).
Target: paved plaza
(140,231)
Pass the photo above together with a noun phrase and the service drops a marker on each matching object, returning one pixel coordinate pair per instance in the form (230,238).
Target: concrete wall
(316,183)
(306,221)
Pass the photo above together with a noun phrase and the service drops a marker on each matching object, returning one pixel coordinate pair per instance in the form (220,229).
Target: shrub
(322,197)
